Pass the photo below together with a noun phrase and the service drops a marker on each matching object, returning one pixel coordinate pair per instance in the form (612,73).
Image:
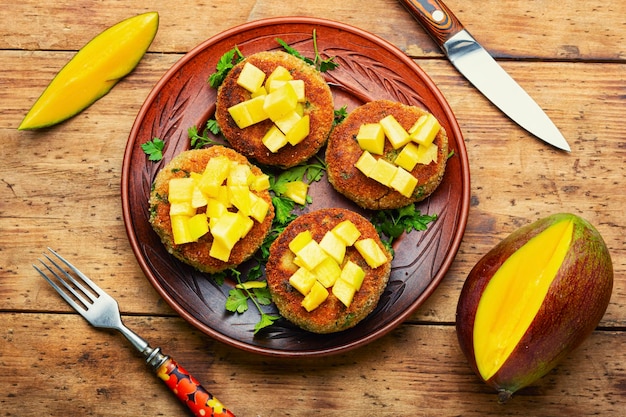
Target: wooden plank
(567,30)
(415,370)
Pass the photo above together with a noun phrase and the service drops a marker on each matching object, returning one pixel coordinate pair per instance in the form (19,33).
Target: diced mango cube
(241,115)
(245,225)
(258,207)
(427,154)
(426,132)
(327,272)
(240,198)
(255,109)
(180,230)
(408,156)
(227,229)
(383,171)
(344,292)
(180,189)
(286,123)
(198,226)
(315,297)
(280,73)
(215,208)
(198,199)
(182,209)
(274,139)
(347,231)
(333,246)
(302,280)
(300,241)
(310,255)
(223,195)
(397,135)
(239,175)
(404,182)
(298,86)
(280,102)
(353,274)
(251,77)
(260,183)
(299,131)
(220,251)
(297,191)
(214,175)
(365,163)
(371,252)
(371,138)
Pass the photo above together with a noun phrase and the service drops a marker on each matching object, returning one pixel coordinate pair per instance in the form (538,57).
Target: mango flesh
(532,299)
(93,71)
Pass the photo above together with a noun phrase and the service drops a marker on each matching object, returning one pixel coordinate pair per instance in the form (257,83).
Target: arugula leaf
(390,224)
(224,65)
(154,149)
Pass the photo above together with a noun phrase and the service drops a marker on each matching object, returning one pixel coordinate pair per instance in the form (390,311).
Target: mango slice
(532,299)
(93,71)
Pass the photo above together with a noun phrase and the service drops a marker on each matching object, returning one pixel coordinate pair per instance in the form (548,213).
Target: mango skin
(576,301)
(93,71)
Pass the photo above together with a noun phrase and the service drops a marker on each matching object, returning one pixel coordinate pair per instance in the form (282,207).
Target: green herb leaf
(237,301)
(266,321)
(321,64)
(154,149)
(390,224)
(340,114)
(224,65)
(200,140)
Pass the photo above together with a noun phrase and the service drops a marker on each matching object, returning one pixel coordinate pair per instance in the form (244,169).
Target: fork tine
(79,308)
(92,285)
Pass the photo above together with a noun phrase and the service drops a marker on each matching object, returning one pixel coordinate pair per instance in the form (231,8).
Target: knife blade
(479,67)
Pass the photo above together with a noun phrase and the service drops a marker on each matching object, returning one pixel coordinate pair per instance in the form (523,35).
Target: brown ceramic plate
(370,68)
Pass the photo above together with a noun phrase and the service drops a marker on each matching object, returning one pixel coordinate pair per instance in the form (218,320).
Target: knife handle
(189,391)
(440,23)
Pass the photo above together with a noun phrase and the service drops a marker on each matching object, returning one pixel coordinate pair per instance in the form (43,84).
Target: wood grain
(61,188)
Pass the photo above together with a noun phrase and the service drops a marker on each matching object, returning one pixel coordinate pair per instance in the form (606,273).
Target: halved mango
(93,71)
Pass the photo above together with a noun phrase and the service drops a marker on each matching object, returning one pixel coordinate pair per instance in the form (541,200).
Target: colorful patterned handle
(438,20)
(189,391)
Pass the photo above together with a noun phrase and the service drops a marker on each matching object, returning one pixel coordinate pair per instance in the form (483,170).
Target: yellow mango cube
(280,73)
(365,163)
(383,171)
(255,109)
(297,191)
(280,102)
(214,175)
(274,139)
(427,153)
(245,225)
(220,251)
(198,226)
(286,123)
(300,241)
(182,209)
(240,198)
(180,189)
(198,199)
(408,156)
(302,280)
(371,252)
(426,132)
(333,246)
(327,272)
(241,115)
(258,207)
(180,230)
(223,195)
(371,138)
(299,131)
(352,274)
(226,229)
(347,232)
(310,255)
(397,135)
(344,292)
(251,77)
(404,182)
(215,208)
(316,296)
(260,183)
(239,174)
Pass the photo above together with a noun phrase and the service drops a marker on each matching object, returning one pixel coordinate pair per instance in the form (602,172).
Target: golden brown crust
(332,315)
(319,107)
(343,151)
(196,254)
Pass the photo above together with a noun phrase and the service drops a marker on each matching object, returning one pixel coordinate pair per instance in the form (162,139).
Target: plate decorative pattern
(369,68)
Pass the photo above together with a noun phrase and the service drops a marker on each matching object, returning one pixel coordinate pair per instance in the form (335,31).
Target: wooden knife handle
(440,23)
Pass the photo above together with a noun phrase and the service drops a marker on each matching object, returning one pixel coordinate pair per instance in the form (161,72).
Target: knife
(475,63)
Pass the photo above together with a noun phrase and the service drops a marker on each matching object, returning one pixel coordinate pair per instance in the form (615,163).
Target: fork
(102,311)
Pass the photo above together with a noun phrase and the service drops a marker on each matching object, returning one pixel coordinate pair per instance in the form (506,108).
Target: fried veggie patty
(332,315)
(248,141)
(196,254)
(343,151)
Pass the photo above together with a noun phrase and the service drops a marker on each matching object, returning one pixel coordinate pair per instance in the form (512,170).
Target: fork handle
(190,391)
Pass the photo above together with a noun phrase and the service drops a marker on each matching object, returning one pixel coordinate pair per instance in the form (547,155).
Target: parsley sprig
(321,64)
(154,149)
(390,224)
(224,65)
(238,297)
(199,140)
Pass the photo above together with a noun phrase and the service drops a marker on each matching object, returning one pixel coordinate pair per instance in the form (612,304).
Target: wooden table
(61,188)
